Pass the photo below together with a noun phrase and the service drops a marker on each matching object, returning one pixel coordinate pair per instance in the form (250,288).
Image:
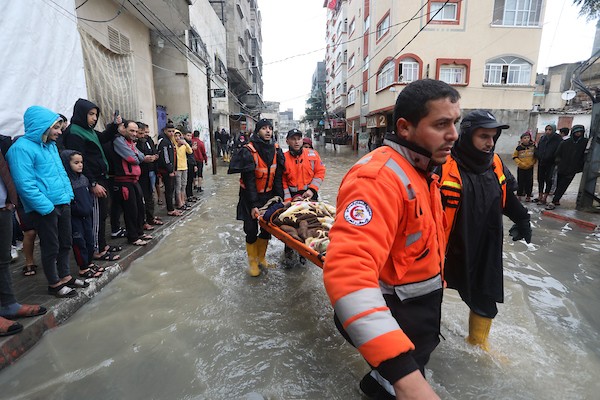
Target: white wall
(208,25)
(42,62)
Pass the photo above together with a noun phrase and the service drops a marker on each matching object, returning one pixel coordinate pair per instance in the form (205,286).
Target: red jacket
(200,152)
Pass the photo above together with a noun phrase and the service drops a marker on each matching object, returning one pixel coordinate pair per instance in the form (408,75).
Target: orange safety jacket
(302,173)
(388,238)
(264,174)
(452,189)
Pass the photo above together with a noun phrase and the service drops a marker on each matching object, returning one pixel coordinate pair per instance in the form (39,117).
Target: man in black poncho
(476,190)
(261,165)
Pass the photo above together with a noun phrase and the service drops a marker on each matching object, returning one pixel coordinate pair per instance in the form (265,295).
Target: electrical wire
(108,20)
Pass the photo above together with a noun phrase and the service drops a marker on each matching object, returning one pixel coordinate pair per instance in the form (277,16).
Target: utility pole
(591,169)
(211,135)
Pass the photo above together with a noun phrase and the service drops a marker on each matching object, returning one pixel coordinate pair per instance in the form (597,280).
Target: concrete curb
(584,224)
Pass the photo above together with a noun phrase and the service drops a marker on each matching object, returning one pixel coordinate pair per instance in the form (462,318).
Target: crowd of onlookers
(559,156)
(61,181)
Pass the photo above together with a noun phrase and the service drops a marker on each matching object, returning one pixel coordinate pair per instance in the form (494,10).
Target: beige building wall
(139,38)
(470,43)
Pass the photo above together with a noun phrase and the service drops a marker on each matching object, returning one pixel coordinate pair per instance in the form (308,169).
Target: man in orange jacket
(304,173)
(304,170)
(383,270)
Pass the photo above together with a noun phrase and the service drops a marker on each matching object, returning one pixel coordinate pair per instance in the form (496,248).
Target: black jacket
(95,167)
(243,163)
(570,155)
(166,154)
(147,146)
(546,149)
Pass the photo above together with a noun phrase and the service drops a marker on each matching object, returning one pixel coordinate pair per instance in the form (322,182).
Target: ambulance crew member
(304,170)
(383,269)
(476,191)
(261,165)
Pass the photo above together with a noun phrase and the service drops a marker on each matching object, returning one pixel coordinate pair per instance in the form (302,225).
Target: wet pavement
(32,290)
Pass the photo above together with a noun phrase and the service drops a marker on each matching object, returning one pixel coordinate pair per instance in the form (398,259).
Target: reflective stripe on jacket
(302,173)
(388,237)
(265,175)
(452,188)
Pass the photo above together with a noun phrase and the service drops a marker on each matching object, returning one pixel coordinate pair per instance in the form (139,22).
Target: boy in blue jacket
(46,194)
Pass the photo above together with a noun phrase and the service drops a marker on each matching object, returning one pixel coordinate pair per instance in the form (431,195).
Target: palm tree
(589,8)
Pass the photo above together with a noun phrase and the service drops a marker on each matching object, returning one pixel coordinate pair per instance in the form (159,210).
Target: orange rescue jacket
(452,189)
(302,173)
(265,174)
(388,238)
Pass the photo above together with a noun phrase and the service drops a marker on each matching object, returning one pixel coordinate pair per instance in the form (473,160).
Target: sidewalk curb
(580,222)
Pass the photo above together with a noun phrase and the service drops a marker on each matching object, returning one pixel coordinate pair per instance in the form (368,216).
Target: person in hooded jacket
(261,165)
(545,153)
(46,194)
(82,137)
(570,157)
(477,189)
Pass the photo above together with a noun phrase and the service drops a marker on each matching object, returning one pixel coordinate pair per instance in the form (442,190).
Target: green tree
(588,8)
(315,107)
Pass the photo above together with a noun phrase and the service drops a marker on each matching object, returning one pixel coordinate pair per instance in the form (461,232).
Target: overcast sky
(293,28)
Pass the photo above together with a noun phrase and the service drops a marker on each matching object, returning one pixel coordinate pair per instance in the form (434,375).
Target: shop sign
(376,121)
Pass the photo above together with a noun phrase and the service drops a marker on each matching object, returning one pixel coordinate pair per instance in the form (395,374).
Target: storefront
(377,126)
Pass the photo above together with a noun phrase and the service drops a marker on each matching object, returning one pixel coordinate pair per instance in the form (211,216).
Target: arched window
(385,77)
(507,70)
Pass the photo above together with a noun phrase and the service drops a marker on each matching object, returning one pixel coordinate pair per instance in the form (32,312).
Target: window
(408,70)
(453,71)
(351,61)
(351,96)
(383,26)
(507,71)
(365,98)
(517,12)
(386,75)
(442,11)
(452,74)
(338,89)
(367,23)
(352,26)
(366,64)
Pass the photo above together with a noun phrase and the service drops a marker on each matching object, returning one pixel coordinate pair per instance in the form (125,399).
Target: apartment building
(487,49)
(242,21)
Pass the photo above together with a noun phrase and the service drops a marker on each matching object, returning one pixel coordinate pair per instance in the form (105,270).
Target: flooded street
(187,322)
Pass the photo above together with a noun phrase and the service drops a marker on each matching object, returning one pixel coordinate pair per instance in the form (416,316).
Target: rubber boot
(252,250)
(479,330)
(262,252)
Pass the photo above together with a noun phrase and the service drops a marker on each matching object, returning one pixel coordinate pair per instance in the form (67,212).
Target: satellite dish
(568,95)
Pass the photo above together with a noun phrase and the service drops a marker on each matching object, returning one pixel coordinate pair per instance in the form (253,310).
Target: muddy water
(186,322)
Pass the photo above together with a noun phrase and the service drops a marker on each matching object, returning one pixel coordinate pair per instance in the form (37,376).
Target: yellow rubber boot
(252,250)
(479,330)
(262,252)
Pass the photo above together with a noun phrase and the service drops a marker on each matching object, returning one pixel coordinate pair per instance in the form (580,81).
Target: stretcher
(305,251)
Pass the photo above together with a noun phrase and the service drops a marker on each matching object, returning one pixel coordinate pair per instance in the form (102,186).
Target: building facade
(242,21)
(486,49)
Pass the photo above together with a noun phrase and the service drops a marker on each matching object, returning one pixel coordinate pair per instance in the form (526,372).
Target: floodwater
(186,322)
